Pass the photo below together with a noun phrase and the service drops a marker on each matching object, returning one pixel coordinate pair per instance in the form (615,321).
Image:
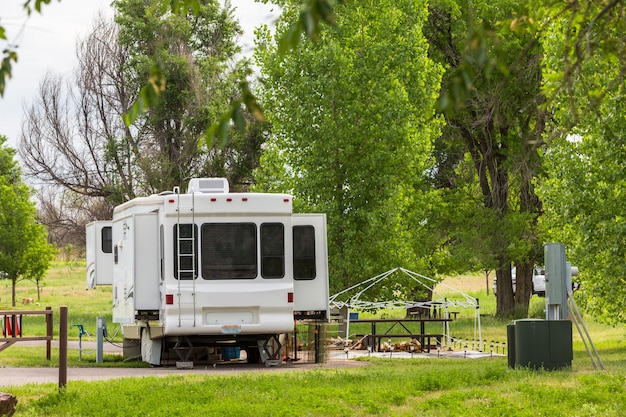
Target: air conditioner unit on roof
(208,185)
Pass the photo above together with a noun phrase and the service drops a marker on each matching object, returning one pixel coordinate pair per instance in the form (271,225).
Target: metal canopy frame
(351,299)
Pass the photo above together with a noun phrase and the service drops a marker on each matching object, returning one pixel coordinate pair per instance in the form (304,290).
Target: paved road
(11,376)
(20,376)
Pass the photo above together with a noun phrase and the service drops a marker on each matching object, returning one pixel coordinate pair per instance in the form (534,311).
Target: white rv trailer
(99,253)
(209,267)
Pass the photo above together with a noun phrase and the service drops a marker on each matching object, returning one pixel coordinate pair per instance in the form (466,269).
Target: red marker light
(290,297)
(169,299)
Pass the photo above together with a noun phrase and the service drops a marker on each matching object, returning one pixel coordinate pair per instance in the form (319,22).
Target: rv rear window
(229,251)
(107,239)
(272,250)
(303,252)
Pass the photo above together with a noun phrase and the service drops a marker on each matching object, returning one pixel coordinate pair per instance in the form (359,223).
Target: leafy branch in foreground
(235,116)
(148,95)
(9,54)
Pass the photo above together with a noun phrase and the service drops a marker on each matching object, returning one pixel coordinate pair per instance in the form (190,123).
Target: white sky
(47,42)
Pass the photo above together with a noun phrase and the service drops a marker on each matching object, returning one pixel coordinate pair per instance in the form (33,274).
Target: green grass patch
(35,357)
(64,285)
(397,387)
(387,387)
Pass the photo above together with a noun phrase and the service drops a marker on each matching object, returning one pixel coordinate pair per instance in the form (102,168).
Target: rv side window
(185,249)
(272,250)
(303,252)
(229,251)
(107,239)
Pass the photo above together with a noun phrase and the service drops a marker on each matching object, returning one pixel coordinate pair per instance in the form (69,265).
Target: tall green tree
(195,52)
(583,194)
(353,125)
(583,188)
(491,98)
(24,250)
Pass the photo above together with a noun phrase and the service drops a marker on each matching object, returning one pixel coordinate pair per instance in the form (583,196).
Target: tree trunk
(13,283)
(504,294)
(7,404)
(529,203)
(524,286)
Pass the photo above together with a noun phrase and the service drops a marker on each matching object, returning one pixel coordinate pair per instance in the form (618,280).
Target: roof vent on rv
(208,185)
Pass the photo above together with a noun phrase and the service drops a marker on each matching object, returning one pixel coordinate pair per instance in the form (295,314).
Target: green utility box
(540,344)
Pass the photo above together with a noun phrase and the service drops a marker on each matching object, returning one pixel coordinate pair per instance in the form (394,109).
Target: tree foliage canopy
(24,250)
(353,127)
(352,130)
(585,174)
(74,138)
(487,156)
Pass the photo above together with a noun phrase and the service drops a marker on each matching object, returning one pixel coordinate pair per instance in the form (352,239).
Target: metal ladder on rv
(181,243)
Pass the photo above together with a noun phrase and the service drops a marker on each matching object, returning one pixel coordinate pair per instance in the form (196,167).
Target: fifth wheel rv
(209,268)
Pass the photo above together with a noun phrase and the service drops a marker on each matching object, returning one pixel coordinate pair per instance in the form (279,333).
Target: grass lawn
(387,387)
(64,285)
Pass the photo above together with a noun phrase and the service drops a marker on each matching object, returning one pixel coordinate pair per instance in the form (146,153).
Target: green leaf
(290,39)
(238,118)
(209,135)
(222,132)
(309,21)
(6,68)
(38,4)
(250,102)
(325,11)
(183,7)
(148,95)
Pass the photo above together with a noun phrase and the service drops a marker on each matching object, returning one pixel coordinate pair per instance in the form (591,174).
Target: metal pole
(63,348)
(478,327)
(317,344)
(578,318)
(99,338)
(80,346)
(295,342)
(347,324)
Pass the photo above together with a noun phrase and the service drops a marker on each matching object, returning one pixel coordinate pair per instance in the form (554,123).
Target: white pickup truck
(539,281)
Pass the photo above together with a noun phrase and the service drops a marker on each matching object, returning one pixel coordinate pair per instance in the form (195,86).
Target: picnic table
(400,328)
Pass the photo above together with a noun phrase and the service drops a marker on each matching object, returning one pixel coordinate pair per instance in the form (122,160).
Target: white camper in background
(99,253)
(211,268)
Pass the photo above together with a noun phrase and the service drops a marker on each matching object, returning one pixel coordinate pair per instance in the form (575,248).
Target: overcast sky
(47,42)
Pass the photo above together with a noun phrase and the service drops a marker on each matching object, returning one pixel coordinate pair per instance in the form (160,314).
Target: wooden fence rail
(12,331)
